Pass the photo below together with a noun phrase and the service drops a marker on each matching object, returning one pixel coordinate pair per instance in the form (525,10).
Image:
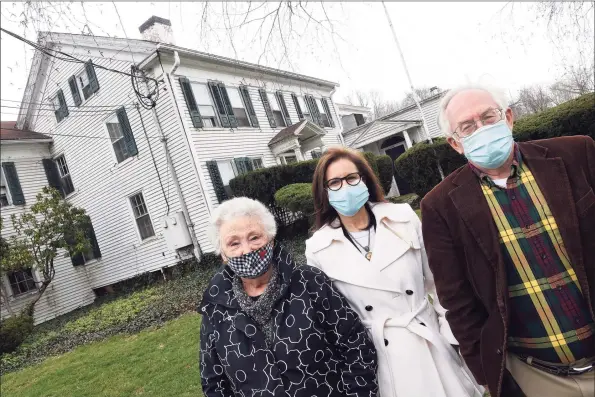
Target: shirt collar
(514,168)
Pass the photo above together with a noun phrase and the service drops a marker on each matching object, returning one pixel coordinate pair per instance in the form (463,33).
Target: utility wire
(84,106)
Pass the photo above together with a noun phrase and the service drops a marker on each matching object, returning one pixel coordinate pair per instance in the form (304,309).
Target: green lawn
(156,362)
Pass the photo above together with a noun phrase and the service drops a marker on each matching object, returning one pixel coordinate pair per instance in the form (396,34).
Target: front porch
(298,142)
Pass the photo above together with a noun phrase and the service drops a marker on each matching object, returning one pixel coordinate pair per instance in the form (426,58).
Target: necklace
(368,254)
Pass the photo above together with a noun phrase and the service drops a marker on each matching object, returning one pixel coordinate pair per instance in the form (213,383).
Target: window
(21,281)
(228,171)
(316,154)
(87,81)
(60,107)
(289,159)
(283,107)
(142,217)
(305,108)
(65,179)
(276,109)
(238,107)
(121,135)
(205,105)
(257,163)
(4,195)
(323,113)
(359,119)
(92,253)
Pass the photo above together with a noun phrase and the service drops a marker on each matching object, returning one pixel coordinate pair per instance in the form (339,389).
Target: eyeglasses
(337,183)
(489,117)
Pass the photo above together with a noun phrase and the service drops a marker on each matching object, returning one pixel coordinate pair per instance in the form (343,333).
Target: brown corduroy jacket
(465,255)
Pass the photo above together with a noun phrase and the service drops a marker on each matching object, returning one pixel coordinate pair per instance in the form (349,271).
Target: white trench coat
(390,294)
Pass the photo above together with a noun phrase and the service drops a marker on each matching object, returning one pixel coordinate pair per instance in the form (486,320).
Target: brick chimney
(157,29)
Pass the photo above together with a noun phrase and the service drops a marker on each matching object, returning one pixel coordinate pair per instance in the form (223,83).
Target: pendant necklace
(368,254)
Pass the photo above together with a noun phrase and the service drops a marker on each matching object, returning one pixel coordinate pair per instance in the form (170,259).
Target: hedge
(14,330)
(418,165)
(262,184)
(296,198)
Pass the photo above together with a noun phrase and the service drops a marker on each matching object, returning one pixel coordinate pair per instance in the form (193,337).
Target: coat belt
(428,333)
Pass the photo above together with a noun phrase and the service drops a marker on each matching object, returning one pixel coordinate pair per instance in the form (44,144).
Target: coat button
(386,342)
(499,352)
(409,292)
(369,308)
(422,324)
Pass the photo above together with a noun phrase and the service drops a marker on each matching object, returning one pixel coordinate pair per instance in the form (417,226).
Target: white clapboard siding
(102,186)
(70,288)
(226,144)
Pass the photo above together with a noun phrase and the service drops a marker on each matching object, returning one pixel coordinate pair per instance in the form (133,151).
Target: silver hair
(499,97)
(238,207)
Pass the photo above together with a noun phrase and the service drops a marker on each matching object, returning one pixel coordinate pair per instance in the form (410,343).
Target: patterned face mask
(253,264)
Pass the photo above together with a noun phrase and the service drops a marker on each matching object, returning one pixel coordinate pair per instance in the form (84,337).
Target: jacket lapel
(475,212)
(392,242)
(552,179)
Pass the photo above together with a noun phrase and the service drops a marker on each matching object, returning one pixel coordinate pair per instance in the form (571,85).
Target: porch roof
(380,129)
(303,130)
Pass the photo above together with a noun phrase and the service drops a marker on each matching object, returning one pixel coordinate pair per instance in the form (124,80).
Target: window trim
(213,105)
(134,223)
(237,88)
(276,100)
(23,295)
(80,85)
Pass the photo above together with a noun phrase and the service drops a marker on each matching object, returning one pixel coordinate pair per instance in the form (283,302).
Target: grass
(154,362)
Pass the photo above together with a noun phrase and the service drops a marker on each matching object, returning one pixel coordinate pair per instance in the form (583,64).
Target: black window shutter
(267,107)
(191,102)
(243,165)
(311,102)
(93,241)
(283,107)
(233,122)
(93,82)
(12,179)
(78,259)
(298,108)
(218,98)
(74,90)
(327,110)
(249,107)
(62,112)
(217,181)
(51,172)
(127,131)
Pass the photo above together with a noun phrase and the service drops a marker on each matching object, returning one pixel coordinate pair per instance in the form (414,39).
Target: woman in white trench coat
(373,252)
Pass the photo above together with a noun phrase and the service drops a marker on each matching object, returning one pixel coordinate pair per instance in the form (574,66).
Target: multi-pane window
(117,136)
(65,179)
(4,195)
(142,217)
(323,116)
(83,80)
(21,281)
(276,109)
(257,163)
(205,105)
(289,159)
(238,107)
(305,108)
(228,171)
(56,104)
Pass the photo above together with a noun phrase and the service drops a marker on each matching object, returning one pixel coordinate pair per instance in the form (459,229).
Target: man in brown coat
(510,239)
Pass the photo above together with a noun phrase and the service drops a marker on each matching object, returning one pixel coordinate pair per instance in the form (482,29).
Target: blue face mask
(490,146)
(349,199)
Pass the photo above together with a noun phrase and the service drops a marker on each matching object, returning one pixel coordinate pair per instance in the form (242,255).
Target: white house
(150,179)
(397,132)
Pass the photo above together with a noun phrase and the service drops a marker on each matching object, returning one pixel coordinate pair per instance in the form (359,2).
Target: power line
(75,110)
(84,106)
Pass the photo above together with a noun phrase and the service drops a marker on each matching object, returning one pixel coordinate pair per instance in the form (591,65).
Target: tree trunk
(44,286)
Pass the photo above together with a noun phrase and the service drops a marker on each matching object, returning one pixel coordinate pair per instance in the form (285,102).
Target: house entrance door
(394,152)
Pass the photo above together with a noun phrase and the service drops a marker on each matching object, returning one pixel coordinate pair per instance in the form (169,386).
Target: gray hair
(238,207)
(499,97)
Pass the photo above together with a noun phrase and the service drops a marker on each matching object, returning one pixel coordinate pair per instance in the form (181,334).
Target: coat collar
(394,237)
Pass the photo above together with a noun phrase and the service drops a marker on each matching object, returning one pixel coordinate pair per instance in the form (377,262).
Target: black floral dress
(319,348)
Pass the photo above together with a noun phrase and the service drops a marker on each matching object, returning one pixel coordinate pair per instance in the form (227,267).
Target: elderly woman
(374,253)
(271,328)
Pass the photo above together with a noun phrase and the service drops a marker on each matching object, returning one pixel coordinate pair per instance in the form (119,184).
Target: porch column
(408,143)
(298,154)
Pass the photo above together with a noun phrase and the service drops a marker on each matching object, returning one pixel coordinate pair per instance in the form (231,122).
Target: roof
(350,109)
(394,116)
(287,132)
(152,21)
(9,132)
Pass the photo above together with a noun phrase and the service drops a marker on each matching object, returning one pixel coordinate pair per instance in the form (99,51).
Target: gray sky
(445,44)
